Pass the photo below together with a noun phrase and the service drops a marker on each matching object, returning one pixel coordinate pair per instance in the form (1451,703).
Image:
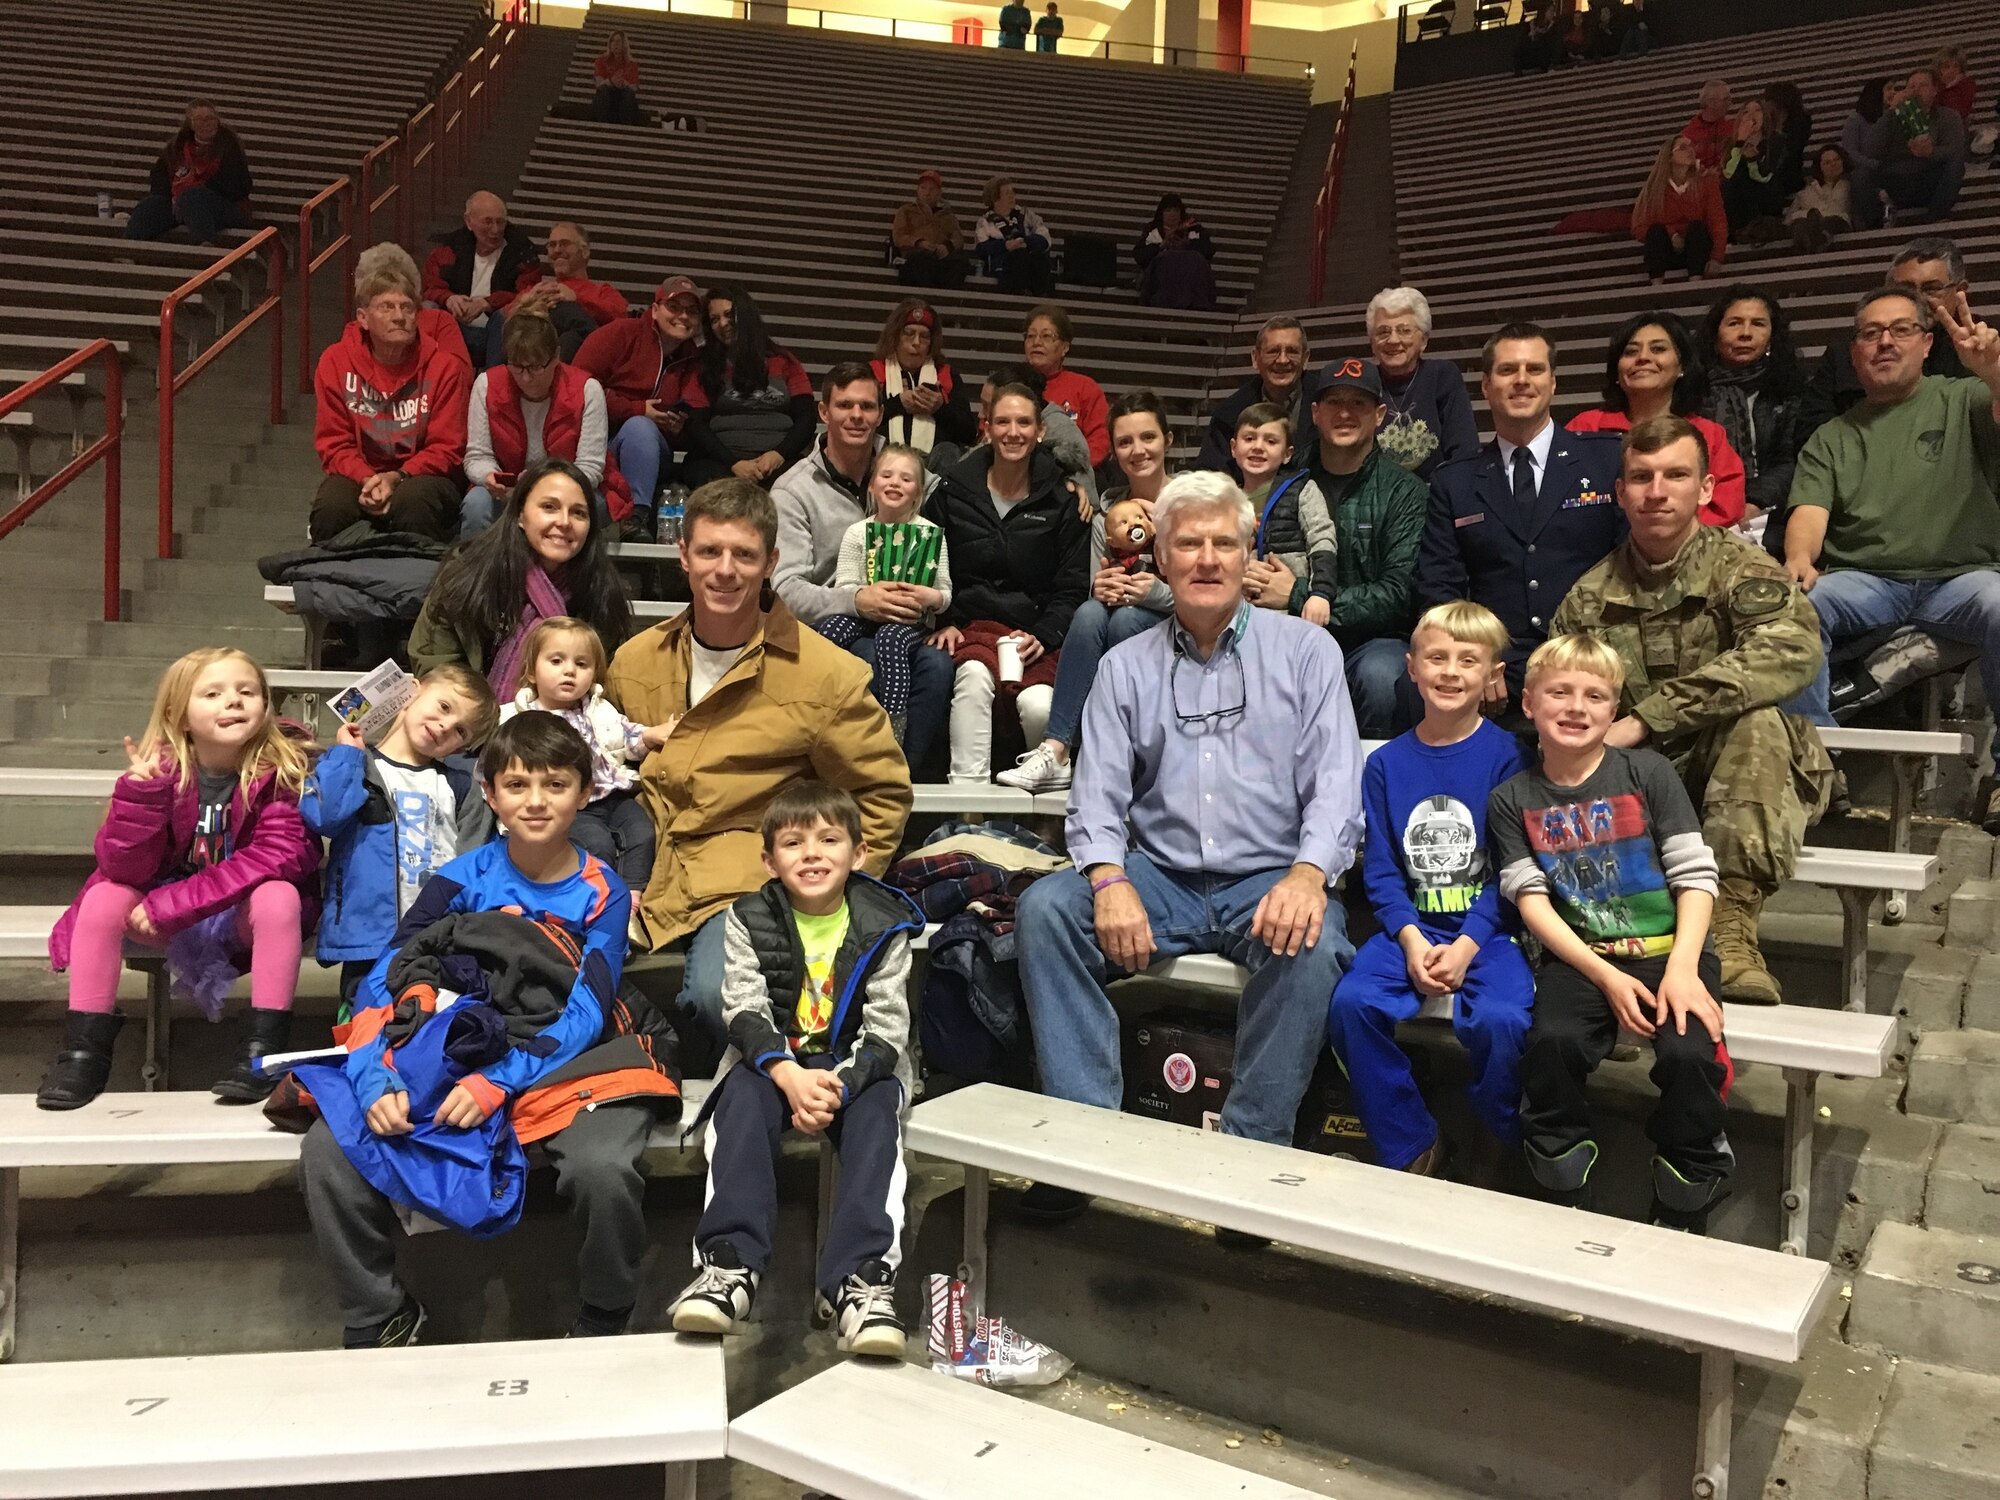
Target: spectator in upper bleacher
(750,401)
(1678,216)
(1752,194)
(1012,242)
(477,269)
(1652,366)
(927,235)
(1857,131)
(1894,515)
(1788,128)
(530,406)
(200,181)
(1048,29)
(1015,19)
(1711,130)
(1920,149)
(1173,254)
(1957,89)
(546,556)
(1426,415)
(1933,268)
(566,296)
(1824,208)
(819,499)
(1019,555)
(1755,386)
(1576,41)
(1217,799)
(390,420)
(1627,32)
(1535,47)
(1278,360)
(616,101)
(1549,491)
(1046,337)
(645,365)
(924,404)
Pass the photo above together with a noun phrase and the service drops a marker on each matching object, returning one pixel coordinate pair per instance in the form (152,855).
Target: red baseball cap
(677,286)
(931,174)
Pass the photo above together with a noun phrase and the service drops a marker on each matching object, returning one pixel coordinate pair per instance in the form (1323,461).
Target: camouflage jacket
(1706,638)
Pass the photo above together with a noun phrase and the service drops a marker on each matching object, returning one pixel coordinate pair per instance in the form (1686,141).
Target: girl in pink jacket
(203,854)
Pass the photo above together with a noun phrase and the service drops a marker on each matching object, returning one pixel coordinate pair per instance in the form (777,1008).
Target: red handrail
(370,200)
(343,188)
(475,91)
(425,120)
(110,448)
(171,383)
(454,127)
(1326,207)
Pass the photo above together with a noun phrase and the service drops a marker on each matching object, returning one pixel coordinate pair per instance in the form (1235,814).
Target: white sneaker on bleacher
(719,1298)
(1038,771)
(864,1313)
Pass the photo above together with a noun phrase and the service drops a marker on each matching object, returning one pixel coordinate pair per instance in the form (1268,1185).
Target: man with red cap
(926,234)
(641,363)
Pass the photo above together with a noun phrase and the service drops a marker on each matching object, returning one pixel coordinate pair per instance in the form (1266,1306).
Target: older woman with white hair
(1426,413)
(390,424)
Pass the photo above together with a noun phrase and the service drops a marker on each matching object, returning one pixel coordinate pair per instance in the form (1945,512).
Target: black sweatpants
(1697,244)
(744,1129)
(1574,1030)
(617,829)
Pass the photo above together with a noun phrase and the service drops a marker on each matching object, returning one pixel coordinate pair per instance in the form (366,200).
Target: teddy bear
(1128,537)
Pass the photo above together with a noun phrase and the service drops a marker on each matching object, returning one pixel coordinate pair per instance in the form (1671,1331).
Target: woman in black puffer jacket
(1754,389)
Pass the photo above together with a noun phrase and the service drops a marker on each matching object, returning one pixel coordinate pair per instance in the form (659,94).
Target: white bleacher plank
(238,1421)
(280,595)
(1861,741)
(1672,1286)
(24,930)
(899,1432)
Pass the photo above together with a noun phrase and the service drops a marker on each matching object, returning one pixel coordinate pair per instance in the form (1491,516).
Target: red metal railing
(1326,207)
(419,171)
(171,384)
(372,195)
(343,189)
(110,448)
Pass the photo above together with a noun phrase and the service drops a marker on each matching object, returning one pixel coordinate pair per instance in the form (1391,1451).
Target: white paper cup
(1009,651)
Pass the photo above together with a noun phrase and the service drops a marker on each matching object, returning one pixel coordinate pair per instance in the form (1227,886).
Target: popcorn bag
(985,1349)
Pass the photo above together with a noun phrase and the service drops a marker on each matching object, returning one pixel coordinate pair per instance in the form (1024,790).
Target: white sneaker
(1038,771)
(864,1314)
(719,1298)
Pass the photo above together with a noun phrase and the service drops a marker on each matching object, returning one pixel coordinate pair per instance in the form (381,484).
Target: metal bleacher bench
(898,1432)
(210,1423)
(280,596)
(1721,1300)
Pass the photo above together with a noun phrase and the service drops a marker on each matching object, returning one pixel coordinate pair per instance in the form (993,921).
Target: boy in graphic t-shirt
(1444,933)
(1601,850)
(815,996)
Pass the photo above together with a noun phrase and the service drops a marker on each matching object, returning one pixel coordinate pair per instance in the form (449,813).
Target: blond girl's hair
(167,736)
(531,649)
(896,450)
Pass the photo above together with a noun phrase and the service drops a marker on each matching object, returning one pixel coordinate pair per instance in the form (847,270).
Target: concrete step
(1939,1437)
(276,644)
(1964,1190)
(1973,920)
(1932,1295)
(1955,1077)
(1910,973)
(28,675)
(78,718)
(241,604)
(1982,994)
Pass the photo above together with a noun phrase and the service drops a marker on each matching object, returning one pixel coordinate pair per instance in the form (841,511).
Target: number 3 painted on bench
(507,1388)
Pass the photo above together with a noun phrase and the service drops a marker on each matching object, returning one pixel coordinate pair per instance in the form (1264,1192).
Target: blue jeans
(203,212)
(1374,669)
(643,454)
(700,1004)
(1093,630)
(476,511)
(1494,1007)
(1281,1017)
(1965,608)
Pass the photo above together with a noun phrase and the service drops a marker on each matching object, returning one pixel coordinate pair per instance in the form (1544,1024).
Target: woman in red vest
(534,406)
(201,181)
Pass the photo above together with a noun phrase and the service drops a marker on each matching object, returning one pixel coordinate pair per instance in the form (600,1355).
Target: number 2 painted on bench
(144,1404)
(507,1388)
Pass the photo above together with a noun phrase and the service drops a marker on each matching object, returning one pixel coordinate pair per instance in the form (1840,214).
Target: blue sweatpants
(1491,1016)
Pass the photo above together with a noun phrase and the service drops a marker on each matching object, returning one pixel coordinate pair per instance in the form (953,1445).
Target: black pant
(742,1136)
(615,105)
(1027,270)
(1661,256)
(618,831)
(426,504)
(1574,1030)
(928,268)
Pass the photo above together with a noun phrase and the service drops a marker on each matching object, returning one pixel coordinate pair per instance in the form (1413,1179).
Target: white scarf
(923,431)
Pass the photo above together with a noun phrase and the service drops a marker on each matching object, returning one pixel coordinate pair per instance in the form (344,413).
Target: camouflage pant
(1758,781)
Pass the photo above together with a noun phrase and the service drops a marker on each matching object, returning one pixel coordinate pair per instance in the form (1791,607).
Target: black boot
(83,1067)
(269,1031)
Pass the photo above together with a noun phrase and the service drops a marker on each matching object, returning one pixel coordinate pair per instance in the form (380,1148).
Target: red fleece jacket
(373,417)
(626,358)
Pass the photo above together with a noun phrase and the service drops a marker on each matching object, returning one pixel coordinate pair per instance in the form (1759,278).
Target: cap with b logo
(1351,372)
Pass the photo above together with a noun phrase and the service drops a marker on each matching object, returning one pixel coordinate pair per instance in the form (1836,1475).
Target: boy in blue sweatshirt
(1443,931)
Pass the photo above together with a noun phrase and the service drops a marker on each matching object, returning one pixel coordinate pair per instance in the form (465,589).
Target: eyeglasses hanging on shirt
(1214,718)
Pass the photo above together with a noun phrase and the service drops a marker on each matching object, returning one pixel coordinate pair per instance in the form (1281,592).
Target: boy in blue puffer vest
(815,995)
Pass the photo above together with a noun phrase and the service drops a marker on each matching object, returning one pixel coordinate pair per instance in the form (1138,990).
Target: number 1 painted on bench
(144,1403)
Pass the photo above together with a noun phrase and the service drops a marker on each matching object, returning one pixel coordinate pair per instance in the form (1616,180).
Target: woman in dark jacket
(1755,386)
(1173,255)
(751,402)
(1010,520)
(201,181)
(924,403)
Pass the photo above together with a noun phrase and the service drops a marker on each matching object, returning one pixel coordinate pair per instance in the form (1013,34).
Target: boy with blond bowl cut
(1602,851)
(815,993)
(1444,932)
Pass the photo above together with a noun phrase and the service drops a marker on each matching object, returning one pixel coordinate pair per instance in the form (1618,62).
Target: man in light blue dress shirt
(1217,798)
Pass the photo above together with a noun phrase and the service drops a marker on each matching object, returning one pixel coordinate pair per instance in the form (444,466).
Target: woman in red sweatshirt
(1678,215)
(201,181)
(616,101)
(390,426)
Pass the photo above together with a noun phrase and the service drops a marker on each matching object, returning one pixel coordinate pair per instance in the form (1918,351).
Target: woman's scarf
(545,602)
(1732,389)
(920,432)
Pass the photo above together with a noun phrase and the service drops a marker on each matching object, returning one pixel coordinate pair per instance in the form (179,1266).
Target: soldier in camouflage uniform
(1714,637)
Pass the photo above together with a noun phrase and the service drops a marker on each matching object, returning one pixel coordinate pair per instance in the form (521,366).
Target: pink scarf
(545,602)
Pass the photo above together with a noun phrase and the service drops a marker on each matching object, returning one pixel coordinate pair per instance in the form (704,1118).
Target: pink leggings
(267,923)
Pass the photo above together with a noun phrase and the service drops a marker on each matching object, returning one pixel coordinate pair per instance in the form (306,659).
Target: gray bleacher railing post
(1795,1186)
(10,1256)
(1718,1389)
(972,1268)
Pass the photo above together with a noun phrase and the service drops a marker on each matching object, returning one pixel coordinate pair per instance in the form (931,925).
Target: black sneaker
(1045,1203)
(863,1313)
(719,1298)
(403,1331)
(268,1031)
(83,1067)
(597,1323)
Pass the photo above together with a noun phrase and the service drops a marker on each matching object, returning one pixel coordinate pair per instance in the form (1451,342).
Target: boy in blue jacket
(587,1087)
(1443,931)
(395,815)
